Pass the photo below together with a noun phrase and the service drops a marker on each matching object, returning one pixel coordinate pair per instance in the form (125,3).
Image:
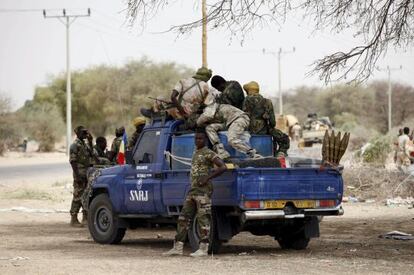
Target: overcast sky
(33,48)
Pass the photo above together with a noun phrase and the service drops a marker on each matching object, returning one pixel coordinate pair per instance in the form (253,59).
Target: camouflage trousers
(198,206)
(79,184)
(281,141)
(234,133)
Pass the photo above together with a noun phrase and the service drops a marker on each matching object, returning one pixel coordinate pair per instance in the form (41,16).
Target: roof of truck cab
(158,122)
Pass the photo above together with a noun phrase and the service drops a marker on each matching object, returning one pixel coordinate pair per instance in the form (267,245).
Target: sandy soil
(42,242)
(36,243)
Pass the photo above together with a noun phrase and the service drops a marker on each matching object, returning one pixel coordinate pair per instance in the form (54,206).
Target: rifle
(160,100)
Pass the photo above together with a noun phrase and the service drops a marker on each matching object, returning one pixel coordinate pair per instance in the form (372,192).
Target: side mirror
(129,157)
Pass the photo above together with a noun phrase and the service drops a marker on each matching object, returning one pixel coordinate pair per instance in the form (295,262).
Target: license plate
(281,203)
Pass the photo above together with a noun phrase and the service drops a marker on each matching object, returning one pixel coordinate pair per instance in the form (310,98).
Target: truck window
(147,147)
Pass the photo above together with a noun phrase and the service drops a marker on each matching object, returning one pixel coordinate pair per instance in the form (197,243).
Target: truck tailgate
(289,184)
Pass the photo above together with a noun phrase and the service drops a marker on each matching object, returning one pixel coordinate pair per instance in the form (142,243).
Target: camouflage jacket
(201,164)
(261,113)
(133,140)
(81,154)
(116,144)
(100,157)
(233,95)
(220,113)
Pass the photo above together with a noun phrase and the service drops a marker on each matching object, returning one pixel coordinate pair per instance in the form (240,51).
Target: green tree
(43,123)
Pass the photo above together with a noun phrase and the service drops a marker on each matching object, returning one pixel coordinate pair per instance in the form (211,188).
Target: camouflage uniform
(198,200)
(221,117)
(233,95)
(263,122)
(80,154)
(100,157)
(116,144)
(132,140)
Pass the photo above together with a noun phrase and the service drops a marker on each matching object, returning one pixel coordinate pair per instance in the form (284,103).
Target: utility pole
(279,57)
(204,34)
(389,69)
(67,20)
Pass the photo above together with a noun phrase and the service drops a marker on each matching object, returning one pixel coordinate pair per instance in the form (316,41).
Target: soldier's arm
(73,157)
(221,168)
(175,102)
(272,119)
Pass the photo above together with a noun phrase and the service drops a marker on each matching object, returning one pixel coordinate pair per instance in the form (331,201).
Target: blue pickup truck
(285,203)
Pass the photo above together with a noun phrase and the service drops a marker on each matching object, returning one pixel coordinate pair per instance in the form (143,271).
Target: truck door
(142,182)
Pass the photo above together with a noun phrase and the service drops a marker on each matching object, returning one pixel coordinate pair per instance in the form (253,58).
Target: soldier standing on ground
(80,159)
(231,91)
(139,123)
(116,143)
(262,118)
(403,153)
(198,199)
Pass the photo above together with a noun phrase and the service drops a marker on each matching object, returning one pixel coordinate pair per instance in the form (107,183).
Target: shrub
(378,150)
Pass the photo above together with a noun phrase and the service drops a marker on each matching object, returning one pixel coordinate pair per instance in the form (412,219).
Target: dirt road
(35,243)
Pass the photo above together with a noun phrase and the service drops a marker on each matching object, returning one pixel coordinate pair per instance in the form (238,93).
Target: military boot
(202,251)
(74,222)
(221,152)
(253,155)
(84,217)
(177,250)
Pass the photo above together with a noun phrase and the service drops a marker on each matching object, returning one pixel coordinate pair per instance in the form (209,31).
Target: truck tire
(104,225)
(194,235)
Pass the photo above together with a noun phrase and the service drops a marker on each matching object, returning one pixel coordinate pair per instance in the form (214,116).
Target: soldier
(231,91)
(221,117)
(139,123)
(99,152)
(116,143)
(262,118)
(198,199)
(80,159)
(403,153)
(186,97)
(296,131)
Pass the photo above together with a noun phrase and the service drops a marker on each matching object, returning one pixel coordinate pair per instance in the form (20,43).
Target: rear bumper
(280,214)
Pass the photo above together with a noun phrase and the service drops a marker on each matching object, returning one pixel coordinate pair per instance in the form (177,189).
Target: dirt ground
(35,239)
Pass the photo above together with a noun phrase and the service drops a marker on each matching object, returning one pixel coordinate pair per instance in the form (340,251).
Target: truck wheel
(194,235)
(103,224)
(294,242)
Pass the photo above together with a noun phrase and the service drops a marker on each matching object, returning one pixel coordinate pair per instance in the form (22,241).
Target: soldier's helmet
(203,74)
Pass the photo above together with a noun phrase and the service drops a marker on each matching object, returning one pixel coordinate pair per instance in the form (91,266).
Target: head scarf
(252,88)
(139,120)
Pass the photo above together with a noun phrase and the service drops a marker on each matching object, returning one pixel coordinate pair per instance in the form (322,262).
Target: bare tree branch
(380,23)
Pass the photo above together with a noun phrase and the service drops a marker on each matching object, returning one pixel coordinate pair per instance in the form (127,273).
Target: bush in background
(378,150)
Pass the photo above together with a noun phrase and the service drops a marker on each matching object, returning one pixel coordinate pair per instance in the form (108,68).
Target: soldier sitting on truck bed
(262,118)
(186,97)
(198,200)
(231,91)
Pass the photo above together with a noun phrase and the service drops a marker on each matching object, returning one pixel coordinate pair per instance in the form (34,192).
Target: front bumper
(280,214)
